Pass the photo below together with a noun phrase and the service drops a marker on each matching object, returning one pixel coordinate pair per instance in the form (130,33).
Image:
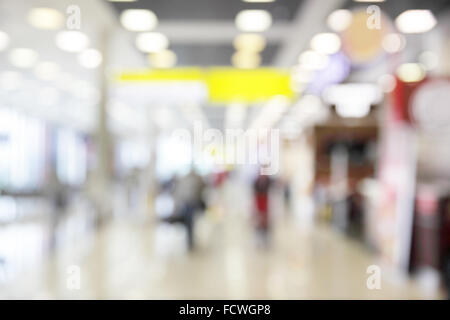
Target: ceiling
(169,10)
(201,32)
(394,8)
(214,54)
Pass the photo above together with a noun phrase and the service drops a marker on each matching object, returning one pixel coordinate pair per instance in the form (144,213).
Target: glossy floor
(149,261)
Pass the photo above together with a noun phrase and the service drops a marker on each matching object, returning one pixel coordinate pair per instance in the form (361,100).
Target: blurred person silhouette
(164,202)
(60,200)
(132,188)
(188,198)
(90,191)
(286,185)
(261,189)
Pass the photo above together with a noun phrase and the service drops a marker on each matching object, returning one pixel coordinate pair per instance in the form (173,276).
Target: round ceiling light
(138,20)
(151,42)
(45,18)
(72,41)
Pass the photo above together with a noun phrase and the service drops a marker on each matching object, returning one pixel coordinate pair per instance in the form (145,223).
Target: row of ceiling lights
(155,44)
(248,45)
(66,40)
(324,44)
(247,53)
(26,58)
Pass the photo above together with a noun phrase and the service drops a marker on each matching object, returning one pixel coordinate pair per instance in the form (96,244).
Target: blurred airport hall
(224,149)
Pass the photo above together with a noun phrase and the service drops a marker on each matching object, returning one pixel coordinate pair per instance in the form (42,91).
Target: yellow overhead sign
(235,85)
(225,85)
(160,75)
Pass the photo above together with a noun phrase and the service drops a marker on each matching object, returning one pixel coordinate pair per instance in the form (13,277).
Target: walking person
(188,195)
(261,188)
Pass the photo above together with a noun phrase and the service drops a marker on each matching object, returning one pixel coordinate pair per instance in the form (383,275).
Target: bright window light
(23,57)
(45,18)
(90,58)
(151,42)
(415,21)
(326,43)
(4,40)
(138,20)
(72,41)
(10,80)
(85,90)
(339,20)
(253,20)
(48,96)
(47,71)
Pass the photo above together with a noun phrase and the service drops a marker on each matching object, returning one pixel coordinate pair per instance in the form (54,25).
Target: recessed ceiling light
(163,59)
(313,60)
(151,42)
(4,40)
(90,58)
(23,57)
(253,20)
(72,41)
(353,100)
(339,20)
(249,42)
(415,21)
(45,18)
(138,20)
(393,42)
(301,75)
(246,60)
(411,72)
(326,43)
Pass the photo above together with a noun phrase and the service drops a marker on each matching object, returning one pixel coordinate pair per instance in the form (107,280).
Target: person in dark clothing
(188,195)
(60,206)
(261,188)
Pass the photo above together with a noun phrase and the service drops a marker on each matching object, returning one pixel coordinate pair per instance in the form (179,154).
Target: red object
(262,202)
(401,99)
(262,206)
(219,178)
